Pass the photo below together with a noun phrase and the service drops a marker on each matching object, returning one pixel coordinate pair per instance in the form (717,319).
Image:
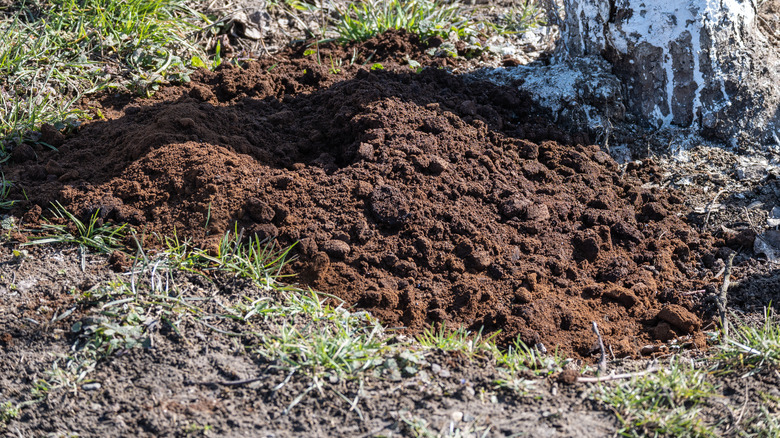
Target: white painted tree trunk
(700,63)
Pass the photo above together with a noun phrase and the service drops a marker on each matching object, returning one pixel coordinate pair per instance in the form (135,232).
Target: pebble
(94,386)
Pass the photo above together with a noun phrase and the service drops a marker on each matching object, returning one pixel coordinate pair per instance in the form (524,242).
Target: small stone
(94,386)
(409,371)
(467,393)
(456,416)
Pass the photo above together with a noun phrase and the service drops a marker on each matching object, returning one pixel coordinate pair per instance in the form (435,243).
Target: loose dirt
(422,196)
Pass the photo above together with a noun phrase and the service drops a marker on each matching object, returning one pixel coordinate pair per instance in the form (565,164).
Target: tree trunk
(706,64)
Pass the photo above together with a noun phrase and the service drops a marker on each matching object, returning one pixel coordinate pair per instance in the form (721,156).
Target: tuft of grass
(360,21)
(460,340)
(666,403)
(126,314)
(8,411)
(5,191)
(754,348)
(334,340)
(519,19)
(101,237)
(259,261)
(118,321)
(56,51)
(762,425)
(515,359)
(418,427)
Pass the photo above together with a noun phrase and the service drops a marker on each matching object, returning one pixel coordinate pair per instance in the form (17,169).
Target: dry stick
(617,376)
(230,382)
(603,360)
(744,405)
(710,205)
(723,298)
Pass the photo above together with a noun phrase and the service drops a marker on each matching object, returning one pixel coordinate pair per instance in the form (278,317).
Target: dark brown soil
(422,197)
(176,387)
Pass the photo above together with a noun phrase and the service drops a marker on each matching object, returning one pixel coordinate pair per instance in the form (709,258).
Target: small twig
(617,376)
(603,359)
(709,206)
(230,382)
(286,379)
(268,52)
(744,405)
(723,298)
(298,399)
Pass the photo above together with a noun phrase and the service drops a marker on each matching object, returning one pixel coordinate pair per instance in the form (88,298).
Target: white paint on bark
(659,24)
(701,64)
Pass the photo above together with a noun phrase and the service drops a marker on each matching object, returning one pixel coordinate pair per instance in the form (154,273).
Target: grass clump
(122,315)
(119,320)
(94,234)
(426,18)
(666,403)
(520,19)
(460,340)
(56,51)
(762,425)
(754,348)
(335,341)
(8,411)
(256,260)
(517,358)
(5,192)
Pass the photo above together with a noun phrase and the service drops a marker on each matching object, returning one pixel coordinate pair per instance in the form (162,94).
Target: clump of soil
(422,197)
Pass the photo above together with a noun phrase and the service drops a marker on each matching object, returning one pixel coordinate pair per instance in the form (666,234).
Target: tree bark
(706,64)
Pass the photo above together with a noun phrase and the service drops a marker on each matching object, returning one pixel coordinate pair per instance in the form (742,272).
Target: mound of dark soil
(422,197)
